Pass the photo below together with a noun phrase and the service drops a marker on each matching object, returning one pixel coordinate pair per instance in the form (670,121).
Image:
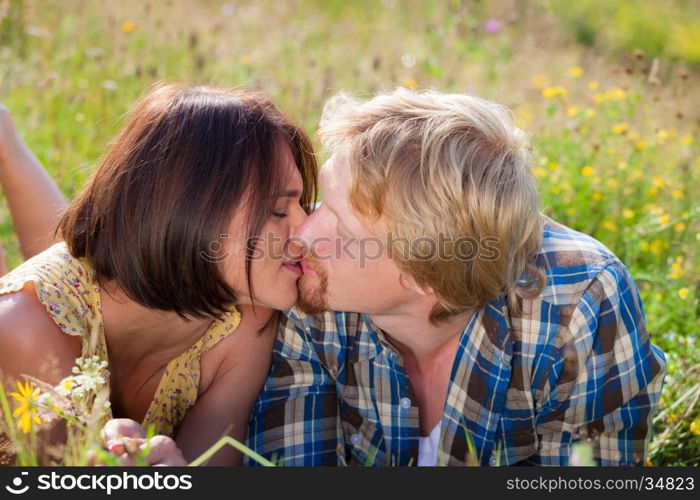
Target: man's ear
(409,283)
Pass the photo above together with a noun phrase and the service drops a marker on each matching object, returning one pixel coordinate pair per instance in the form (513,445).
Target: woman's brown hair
(187,159)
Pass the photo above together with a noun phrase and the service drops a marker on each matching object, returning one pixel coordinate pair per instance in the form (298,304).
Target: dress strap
(178,387)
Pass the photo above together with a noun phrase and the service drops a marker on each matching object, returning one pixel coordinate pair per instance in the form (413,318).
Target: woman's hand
(124,438)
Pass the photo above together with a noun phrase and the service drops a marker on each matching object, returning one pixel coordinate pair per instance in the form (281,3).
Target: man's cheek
(321,249)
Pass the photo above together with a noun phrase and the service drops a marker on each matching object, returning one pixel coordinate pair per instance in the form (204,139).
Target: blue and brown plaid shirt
(576,363)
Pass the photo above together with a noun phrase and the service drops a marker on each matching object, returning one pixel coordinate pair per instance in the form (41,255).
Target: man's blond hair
(432,164)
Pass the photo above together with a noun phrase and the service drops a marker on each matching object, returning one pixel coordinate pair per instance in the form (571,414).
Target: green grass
(617,142)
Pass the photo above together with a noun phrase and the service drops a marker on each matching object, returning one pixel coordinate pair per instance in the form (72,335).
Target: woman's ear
(409,283)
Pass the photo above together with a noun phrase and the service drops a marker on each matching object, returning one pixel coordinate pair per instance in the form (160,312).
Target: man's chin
(312,296)
(309,307)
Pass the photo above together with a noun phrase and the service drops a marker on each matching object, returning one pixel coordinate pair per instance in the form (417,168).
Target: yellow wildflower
(587,171)
(636,175)
(570,211)
(665,219)
(695,426)
(572,111)
(662,136)
(617,94)
(687,139)
(128,27)
(410,83)
(676,268)
(641,145)
(620,128)
(244,60)
(671,419)
(590,113)
(553,92)
(656,246)
(27,411)
(597,196)
(609,225)
(613,183)
(627,213)
(683,293)
(575,72)
(553,165)
(539,172)
(652,192)
(677,194)
(593,85)
(679,227)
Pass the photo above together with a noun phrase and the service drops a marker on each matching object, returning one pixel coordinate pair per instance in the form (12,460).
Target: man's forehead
(334,173)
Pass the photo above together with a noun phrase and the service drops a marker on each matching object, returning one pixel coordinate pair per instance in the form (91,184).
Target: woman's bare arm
(32,344)
(34,199)
(224,408)
(3,262)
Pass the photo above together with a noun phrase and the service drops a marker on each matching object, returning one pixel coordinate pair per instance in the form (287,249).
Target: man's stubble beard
(312,291)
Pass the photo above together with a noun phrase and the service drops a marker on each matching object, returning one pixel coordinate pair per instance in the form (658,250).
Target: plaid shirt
(576,362)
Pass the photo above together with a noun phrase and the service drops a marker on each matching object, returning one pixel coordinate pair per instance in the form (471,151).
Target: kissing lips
(293,266)
(307,269)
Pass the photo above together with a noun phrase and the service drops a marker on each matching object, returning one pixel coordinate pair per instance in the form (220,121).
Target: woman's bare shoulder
(30,341)
(248,348)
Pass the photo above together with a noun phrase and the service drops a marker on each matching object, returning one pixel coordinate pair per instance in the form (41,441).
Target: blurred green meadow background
(609,92)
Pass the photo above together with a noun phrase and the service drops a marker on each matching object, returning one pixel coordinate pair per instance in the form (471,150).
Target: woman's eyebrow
(295,193)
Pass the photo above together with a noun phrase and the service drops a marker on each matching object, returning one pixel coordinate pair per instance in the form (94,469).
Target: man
(483,332)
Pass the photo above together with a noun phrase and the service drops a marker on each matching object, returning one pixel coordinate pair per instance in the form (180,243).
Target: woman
(172,264)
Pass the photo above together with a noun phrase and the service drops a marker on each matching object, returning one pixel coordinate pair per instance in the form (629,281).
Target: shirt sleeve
(295,421)
(607,380)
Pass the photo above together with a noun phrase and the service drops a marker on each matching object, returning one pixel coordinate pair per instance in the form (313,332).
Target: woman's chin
(279,301)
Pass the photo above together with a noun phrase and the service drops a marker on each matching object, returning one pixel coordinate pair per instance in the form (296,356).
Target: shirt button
(405,403)
(355,438)
(493,461)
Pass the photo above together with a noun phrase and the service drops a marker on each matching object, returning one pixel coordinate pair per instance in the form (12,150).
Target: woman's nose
(296,219)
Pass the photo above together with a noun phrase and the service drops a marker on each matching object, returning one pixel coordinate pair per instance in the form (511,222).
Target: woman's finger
(118,428)
(164,451)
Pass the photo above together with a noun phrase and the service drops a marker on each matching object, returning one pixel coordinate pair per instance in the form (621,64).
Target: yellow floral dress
(67,287)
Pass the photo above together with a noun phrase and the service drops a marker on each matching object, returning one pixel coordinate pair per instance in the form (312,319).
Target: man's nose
(303,233)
